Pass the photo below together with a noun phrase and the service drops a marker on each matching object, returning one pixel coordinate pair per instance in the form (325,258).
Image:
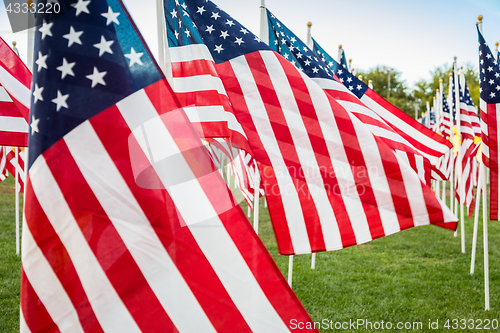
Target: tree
(388,84)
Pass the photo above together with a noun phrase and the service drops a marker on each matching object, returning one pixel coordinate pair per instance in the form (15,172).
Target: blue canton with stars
(355,85)
(85,61)
(286,43)
(446,108)
(489,74)
(201,21)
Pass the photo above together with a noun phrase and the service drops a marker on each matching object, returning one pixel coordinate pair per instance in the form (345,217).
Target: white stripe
(406,128)
(210,234)
(47,285)
(198,83)
(420,167)
(303,146)
(23,327)
(291,202)
(13,124)
(189,53)
(134,227)
(15,88)
(107,305)
(4,97)
(212,113)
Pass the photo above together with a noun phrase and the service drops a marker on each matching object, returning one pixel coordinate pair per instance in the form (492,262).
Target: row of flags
(125,208)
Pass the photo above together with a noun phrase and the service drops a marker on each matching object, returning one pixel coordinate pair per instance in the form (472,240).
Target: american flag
(11,165)
(101,253)
(468,149)
(489,92)
(431,145)
(325,176)
(446,124)
(15,86)
(4,173)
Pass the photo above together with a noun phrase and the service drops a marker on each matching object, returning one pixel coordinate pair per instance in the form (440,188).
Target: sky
(413,37)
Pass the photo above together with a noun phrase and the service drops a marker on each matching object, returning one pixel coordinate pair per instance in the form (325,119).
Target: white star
(111,17)
(210,29)
(307,62)
(239,40)
(349,79)
(283,41)
(293,62)
(492,95)
(104,46)
(292,48)
(41,61)
(257,39)
(218,48)
(173,13)
(482,61)
(81,7)
(488,56)
(184,6)
(66,68)
(201,10)
(330,64)
(45,29)
(34,125)
(490,69)
(298,55)
(293,39)
(315,70)
(358,87)
(184,13)
(305,48)
(350,87)
(286,56)
(176,35)
(215,16)
(60,101)
(497,74)
(491,81)
(244,31)
(97,78)
(229,22)
(37,94)
(224,34)
(339,72)
(134,57)
(188,33)
(341,79)
(73,36)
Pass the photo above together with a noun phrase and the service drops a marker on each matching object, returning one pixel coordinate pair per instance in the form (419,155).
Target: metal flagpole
(16,172)
(441,103)
(452,172)
(264,28)
(495,55)
(290,270)
(460,156)
(350,66)
(256,184)
(339,54)
(309,41)
(480,187)
(485,220)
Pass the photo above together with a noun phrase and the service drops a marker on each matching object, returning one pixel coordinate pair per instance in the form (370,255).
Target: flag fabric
(446,124)
(15,86)
(425,141)
(195,80)
(283,41)
(126,226)
(4,173)
(329,183)
(12,165)
(489,93)
(342,58)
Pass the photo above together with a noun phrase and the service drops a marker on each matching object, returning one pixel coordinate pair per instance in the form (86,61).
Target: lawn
(415,276)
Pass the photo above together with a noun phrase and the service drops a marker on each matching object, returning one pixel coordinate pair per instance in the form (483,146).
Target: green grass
(10,263)
(416,275)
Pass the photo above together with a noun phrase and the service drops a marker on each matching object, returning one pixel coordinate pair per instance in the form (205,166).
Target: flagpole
(339,55)
(460,155)
(476,215)
(309,41)
(441,103)
(485,220)
(256,199)
(16,172)
(290,270)
(264,28)
(495,55)
(370,85)
(350,66)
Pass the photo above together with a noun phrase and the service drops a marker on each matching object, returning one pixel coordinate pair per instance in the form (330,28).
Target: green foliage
(398,93)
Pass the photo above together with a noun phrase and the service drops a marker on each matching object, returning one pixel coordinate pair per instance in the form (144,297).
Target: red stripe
(8,109)
(493,159)
(54,251)
(35,314)
(118,264)
(16,139)
(193,68)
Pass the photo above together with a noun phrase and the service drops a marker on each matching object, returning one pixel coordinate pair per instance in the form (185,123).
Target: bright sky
(411,36)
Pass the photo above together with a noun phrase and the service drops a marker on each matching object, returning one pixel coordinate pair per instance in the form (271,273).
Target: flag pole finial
(455,58)
(340,46)
(480,18)
(437,90)
(14,43)
(360,77)
(440,80)
(450,74)
(496,44)
(350,60)
(309,24)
